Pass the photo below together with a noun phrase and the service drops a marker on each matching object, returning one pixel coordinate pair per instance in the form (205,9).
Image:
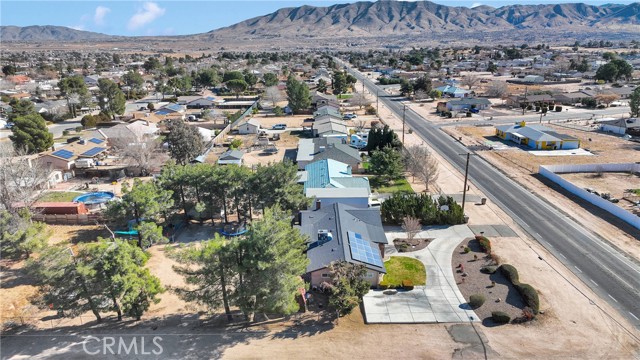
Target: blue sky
(125,17)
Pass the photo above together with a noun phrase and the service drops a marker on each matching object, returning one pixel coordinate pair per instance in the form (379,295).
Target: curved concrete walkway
(440,299)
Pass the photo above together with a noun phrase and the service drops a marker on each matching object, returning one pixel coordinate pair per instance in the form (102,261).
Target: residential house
(620,126)
(453,91)
(536,137)
(310,150)
(326,125)
(468,103)
(329,111)
(250,126)
(333,182)
(132,133)
(231,157)
(319,99)
(339,232)
(202,103)
(171,111)
(66,157)
(91,80)
(571,98)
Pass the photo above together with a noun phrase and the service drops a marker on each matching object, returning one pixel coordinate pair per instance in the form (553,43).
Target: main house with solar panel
(65,158)
(340,232)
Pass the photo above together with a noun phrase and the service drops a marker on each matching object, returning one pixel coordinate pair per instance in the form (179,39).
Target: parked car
(192,118)
(279,127)
(349,116)
(474,110)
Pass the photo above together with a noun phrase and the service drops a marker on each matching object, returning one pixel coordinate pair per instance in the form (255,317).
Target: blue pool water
(95,197)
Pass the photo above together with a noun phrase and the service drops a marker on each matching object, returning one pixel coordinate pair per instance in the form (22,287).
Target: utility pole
(404,110)
(377,99)
(466,177)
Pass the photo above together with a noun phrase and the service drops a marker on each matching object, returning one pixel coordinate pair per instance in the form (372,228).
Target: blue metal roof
(96,141)
(321,172)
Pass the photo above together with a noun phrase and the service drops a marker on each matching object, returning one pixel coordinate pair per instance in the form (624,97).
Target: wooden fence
(69,219)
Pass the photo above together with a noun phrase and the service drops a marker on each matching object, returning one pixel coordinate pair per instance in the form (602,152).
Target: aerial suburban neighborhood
(276,189)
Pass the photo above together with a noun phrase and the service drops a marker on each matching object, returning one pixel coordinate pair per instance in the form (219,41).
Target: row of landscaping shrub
(485,244)
(441,211)
(528,293)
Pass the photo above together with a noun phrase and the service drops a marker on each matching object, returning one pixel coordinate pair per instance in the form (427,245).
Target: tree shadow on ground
(85,235)
(180,336)
(10,278)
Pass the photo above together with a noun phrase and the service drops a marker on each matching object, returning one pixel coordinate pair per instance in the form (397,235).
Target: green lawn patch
(396,186)
(344,96)
(401,268)
(636,191)
(59,196)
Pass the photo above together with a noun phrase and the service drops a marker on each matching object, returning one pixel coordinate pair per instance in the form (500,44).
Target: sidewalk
(439,301)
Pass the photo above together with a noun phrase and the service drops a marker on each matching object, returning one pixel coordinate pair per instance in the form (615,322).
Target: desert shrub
(78,129)
(65,132)
(485,244)
(466,250)
(476,300)
(500,317)
(558,108)
(530,296)
(370,110)
(489,269)
(407,284)
(510,273)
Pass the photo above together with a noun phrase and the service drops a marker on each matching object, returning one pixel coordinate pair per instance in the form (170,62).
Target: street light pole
(377,99)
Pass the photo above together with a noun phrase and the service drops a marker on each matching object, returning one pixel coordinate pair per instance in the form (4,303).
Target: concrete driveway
(439,301)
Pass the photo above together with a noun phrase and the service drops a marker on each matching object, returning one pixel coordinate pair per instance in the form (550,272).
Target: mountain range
(384,18)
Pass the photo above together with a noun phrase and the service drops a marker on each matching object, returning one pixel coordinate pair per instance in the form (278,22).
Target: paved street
(607,270)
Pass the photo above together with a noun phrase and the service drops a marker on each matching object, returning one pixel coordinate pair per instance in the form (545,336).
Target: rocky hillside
(48,33)
(400,17)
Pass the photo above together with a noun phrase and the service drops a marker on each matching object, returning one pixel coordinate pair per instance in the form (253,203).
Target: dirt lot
(612,183)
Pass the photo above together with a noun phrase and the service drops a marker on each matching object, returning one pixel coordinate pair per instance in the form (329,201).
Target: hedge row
(430,211)
(528,293)
(406,285)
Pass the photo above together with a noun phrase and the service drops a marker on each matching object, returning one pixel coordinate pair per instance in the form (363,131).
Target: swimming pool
(92,198)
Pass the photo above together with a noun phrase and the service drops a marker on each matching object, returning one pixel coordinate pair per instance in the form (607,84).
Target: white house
(231,157)
(251,126)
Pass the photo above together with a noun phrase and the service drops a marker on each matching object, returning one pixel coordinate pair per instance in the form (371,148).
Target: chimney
(318,204)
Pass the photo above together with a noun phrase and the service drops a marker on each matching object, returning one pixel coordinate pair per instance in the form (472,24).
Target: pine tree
(30,133)
(110,98)
(185,142)
(349,286)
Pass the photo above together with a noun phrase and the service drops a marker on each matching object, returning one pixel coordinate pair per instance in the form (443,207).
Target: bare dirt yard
(614,184)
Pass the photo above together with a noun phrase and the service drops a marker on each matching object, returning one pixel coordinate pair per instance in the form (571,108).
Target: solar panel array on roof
(96,141)
(362,250)
(93,151)
(65,154)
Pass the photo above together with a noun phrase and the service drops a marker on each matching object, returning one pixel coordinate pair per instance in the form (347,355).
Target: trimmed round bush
(476,300)
(530,296)
(510,273)
(489,269)
(500,317)
(485,244)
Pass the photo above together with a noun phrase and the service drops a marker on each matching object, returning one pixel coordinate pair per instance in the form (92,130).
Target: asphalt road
(609,271)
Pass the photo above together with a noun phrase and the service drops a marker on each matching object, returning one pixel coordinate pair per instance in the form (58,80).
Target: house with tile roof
(536,137)
(339,232)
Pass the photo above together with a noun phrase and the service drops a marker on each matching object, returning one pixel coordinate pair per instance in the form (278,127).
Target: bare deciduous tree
(145,154)
(470,80)
(420,95)
(421,163)
(359,100)
(497,89)
(273,94)
(359,125)
(411,226)
(22,178)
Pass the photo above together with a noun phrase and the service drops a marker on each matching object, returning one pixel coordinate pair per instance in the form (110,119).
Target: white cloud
(149,12)
(77,27)
(99,15)
(475,5)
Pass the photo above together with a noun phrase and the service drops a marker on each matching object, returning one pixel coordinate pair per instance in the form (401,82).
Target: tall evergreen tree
(185,142)
(30,133)
(74,85)
(297,95)
(110,98)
